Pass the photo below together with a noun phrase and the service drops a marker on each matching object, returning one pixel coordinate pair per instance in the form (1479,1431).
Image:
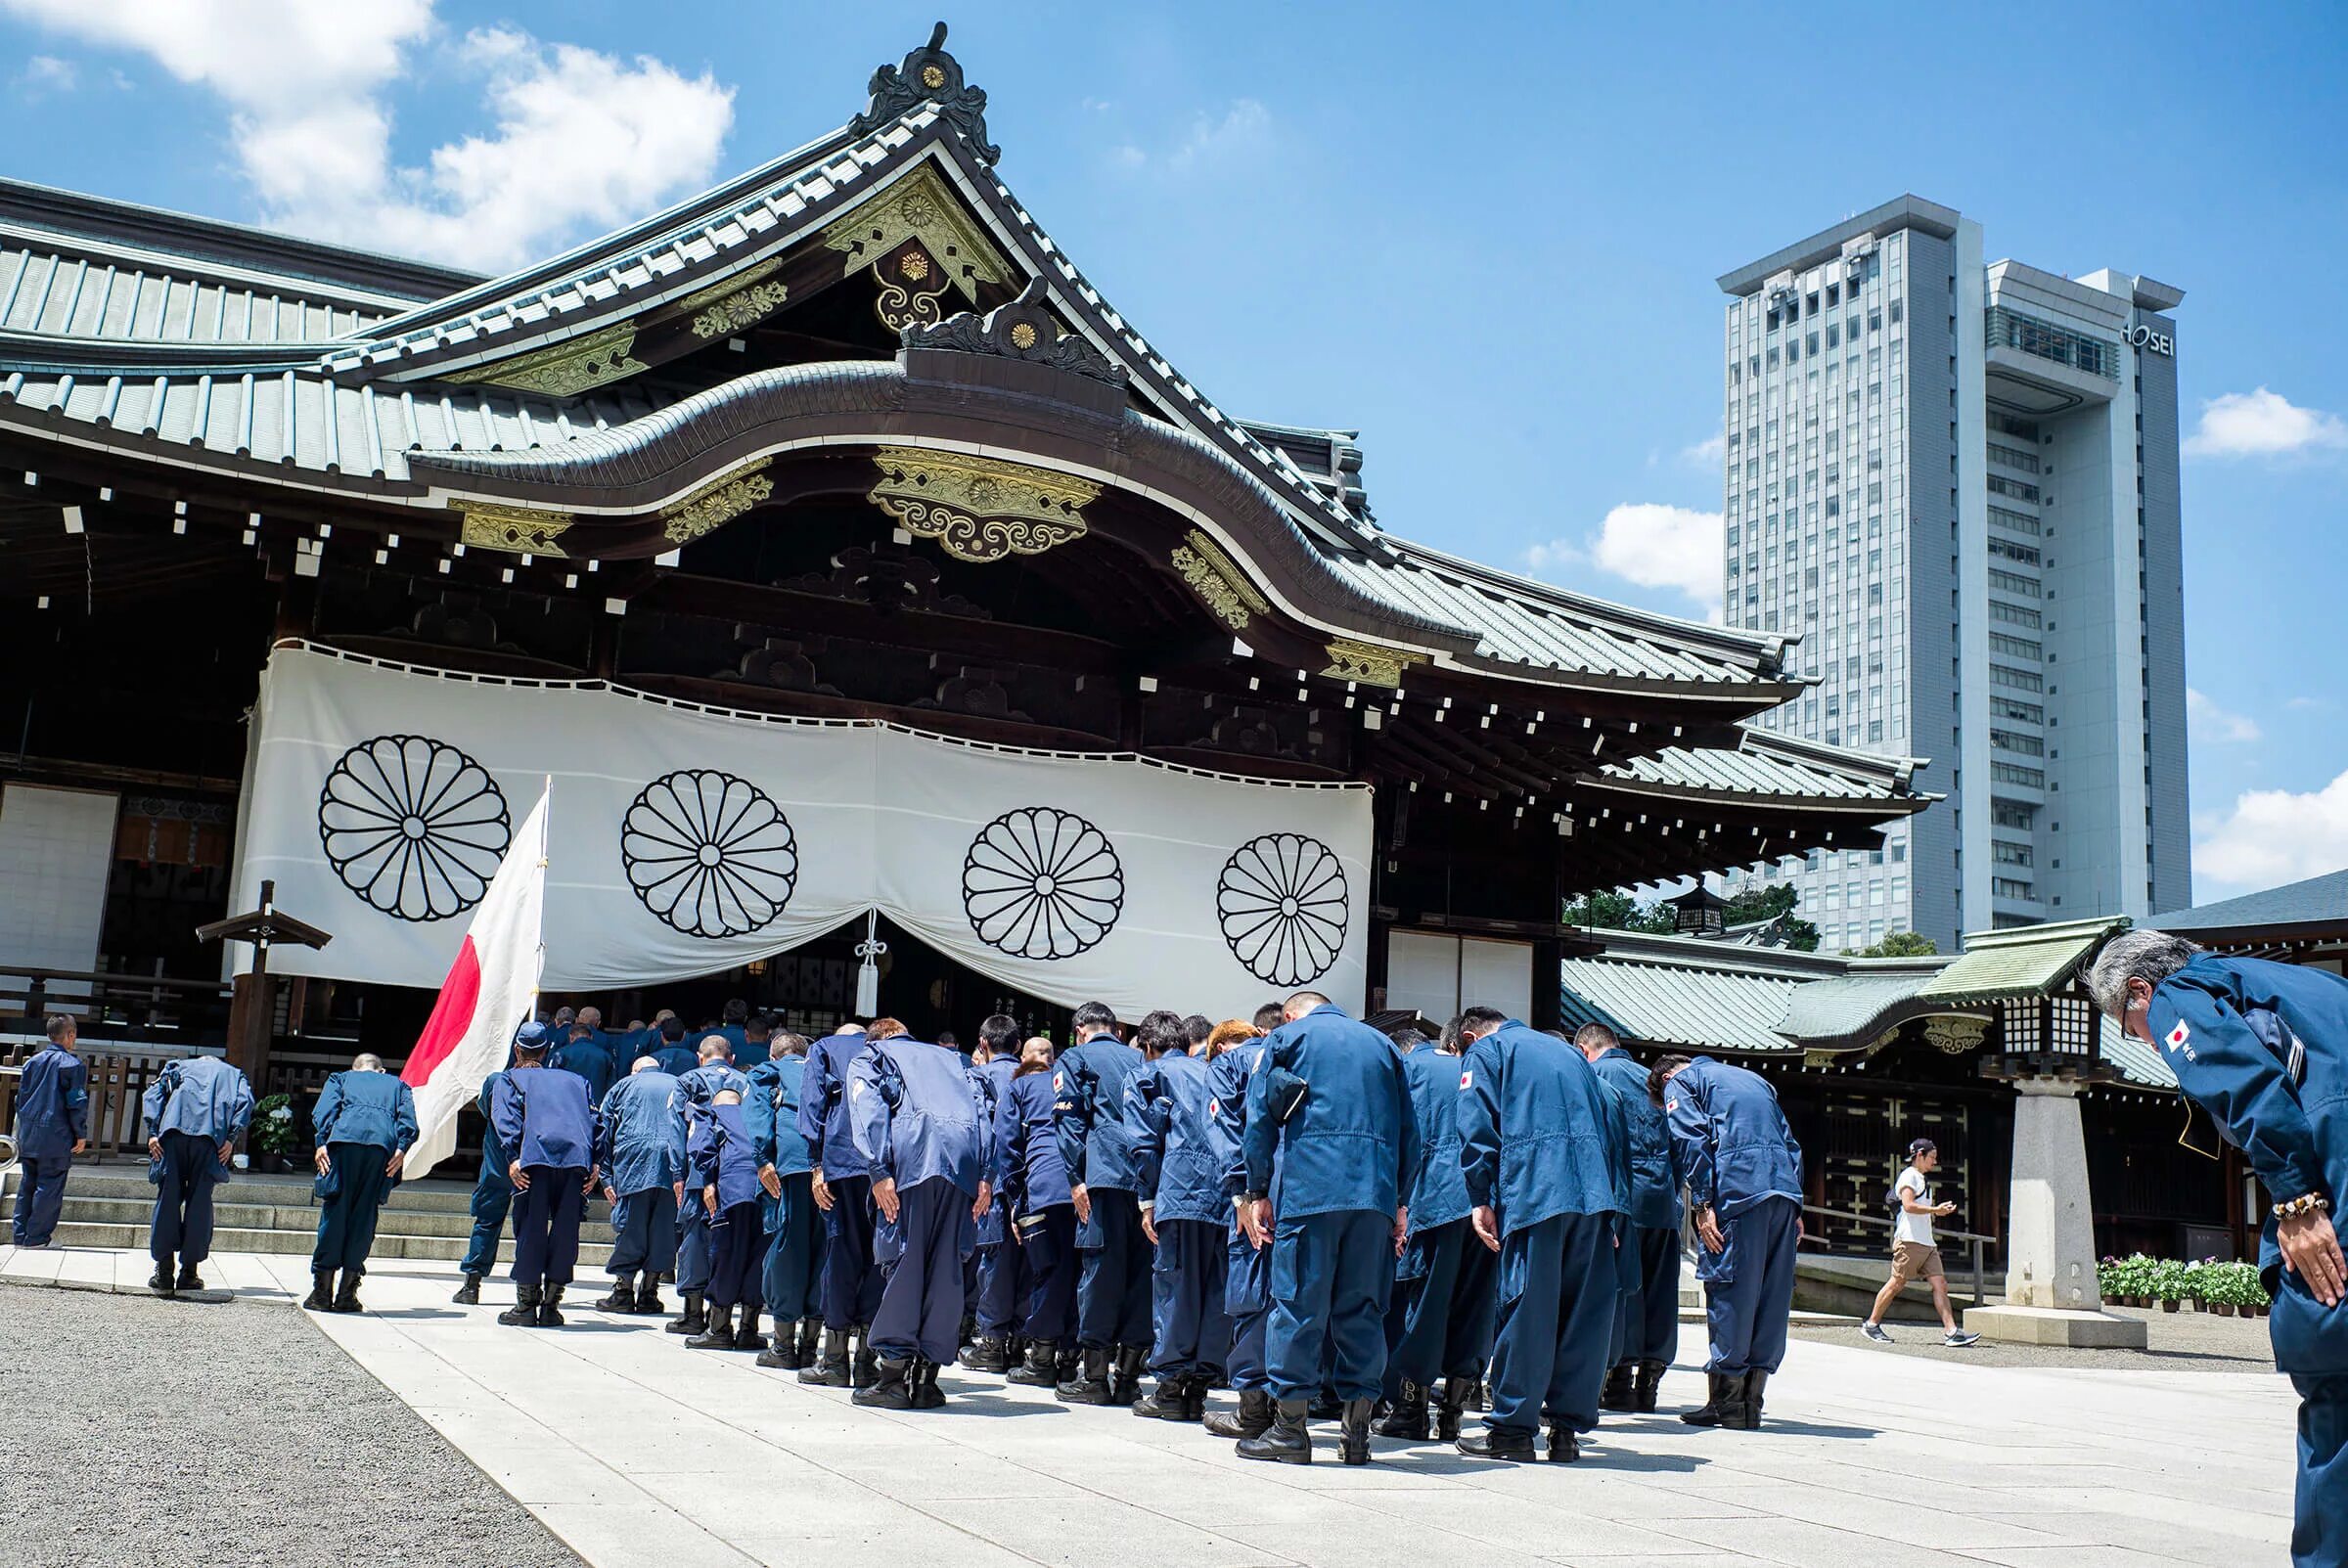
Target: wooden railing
(120,1007)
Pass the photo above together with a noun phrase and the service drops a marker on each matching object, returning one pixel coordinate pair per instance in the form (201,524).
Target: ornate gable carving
(717,503)
(1024,329)
(980,508)
(1217,580)
(1368,665)
(567,368)
(930,73)
(917,242)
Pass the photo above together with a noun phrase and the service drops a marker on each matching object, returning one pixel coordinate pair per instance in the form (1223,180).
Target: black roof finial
(929,75)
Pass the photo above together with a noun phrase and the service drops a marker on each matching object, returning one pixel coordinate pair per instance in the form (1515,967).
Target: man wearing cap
(546,1123)
(1913,1256)
(365,1121)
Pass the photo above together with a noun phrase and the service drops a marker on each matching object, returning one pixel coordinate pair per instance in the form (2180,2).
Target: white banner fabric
(687,841)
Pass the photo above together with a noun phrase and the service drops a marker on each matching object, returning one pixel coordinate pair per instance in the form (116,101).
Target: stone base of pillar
(2049,1325)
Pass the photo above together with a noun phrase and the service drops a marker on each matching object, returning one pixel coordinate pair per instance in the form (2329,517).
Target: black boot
(746,1332)
(1194,1398)
(468,1295)
(831,1369)
(718,1335)
(694,1319)
(1479,1398)
(1754,1383)
(1325,1406)
(1041,1370)
(1126,1378)
(1446,1414)
(1563,1447)
(1408,1418)
(160,1281)
(783,1351)
(1164,1402)
(865,1367)
(811,1341)
(188,1278)
(1512,1443)
(346,1299)
(648,1296)
(322,1291)
(548,1317)
(991,1353)
(523,1314)
(1286,1441)
(1252,1418)
(926,1396)
(1618,1394)
(1726,1398)
(1647,1383)
(1091,1385)
(1353,1431)
(891,1387)
(622,1297)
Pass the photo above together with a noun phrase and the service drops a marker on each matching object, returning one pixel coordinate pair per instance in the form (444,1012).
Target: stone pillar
(2050,1245)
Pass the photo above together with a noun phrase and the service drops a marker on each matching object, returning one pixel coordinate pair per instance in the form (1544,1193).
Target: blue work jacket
(365,1107)
(1088,1113)
(770,1111)
(53,1104)
(999,1072)
(2263,1048)
(1654,1191)
(721,1156)
(640,1137)
(1181,1174)
(1227,1079)
(920,1111)
(1729,1144)
(824,1106)
(1534,1130)
(1331,1109)
(1027,1150)
(1441,1194)
(492,1148)
(734,1035)
(544,1117)
(675,1061)
(749,1054)
(201,1096)
(588,1058)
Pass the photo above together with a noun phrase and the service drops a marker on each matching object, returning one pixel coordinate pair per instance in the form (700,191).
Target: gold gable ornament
(980,508)
(1368,665)
(1217,580)
(565,369)
(948,250)
(743,300)
(515,530)
(716,503)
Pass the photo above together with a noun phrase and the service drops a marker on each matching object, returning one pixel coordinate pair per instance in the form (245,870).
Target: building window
(2043,340)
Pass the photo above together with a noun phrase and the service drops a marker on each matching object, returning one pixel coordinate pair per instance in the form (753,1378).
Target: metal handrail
(1974,1239)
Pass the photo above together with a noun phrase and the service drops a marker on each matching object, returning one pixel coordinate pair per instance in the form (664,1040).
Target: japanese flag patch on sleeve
(1468,1079)
(2175,1038)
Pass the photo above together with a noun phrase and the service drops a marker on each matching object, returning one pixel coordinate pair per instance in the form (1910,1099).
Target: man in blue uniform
(492,1193)
(1439,1322)
(1731,1149)
(52,1125)
(842,1188)
(1183,1213)
(640,1148)
(196,1110)
(712,1071)
(365,1121)
(921,1117)
(668,1046)
(794,1227)
(546,1122)
(758,1041)
(1113,1286)
(1002,1273)
(1646,1324)
(722,1179)
(735,1026)
(1246,1262)
(2263,1048)
(1332,1106)
(1042,1220)
(580,1051)
(1537,1152)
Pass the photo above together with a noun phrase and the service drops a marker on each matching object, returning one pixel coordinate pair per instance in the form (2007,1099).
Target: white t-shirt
(1917,1228)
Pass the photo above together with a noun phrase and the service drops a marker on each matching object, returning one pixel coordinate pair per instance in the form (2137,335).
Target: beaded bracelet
(2304,1204)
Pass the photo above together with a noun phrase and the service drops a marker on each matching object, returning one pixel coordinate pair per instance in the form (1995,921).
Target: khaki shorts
(1913,1259)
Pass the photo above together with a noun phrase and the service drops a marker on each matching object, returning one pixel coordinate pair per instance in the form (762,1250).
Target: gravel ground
(234,1433)
(2183,1341)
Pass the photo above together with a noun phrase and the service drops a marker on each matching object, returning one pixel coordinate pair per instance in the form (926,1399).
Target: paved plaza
(635,1450)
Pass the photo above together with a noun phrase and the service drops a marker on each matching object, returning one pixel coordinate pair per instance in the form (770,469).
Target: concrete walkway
(635,1450)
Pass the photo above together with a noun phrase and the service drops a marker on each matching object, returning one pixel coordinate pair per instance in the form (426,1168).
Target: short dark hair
(61,1024)
(1596,1033)
(1199,1027)
(738,1011)
(1000,1034)
(1449,1038)
(1094,1015)
(949,1039)
(1480,1021)
(1407,1040)
(672,1028)
(1270,1016)
(1161,1033)
(759,1023)
(1308,999)
(564,1015)
(1661,1071)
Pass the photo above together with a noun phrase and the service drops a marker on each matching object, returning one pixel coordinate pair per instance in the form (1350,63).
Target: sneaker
(1958,1339)
(1875,1331)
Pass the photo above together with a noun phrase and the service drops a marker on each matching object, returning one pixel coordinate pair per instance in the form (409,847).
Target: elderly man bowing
(196,1110)
(642,1154)
(366,1122)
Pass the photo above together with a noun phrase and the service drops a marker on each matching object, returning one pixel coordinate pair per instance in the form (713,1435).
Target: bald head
(366,1062)
(716,1048)
(1302,1003)
(643,1064)
(591,1017)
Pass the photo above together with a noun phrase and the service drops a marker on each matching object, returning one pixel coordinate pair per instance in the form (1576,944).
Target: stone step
(228,1238)
(128,1180)
(227,1212)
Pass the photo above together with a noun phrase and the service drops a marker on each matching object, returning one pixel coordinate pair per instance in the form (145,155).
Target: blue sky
(1484,236)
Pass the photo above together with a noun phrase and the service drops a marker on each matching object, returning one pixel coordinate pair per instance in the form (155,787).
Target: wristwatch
(2304,1204)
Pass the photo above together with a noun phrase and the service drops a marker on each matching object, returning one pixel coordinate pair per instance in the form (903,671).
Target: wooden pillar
(251,1013)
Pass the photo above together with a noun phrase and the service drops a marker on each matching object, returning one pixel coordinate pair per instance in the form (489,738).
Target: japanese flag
(1467,1078)
(2179,1036)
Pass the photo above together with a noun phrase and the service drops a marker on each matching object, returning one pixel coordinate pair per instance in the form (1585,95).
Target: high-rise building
(1956,482)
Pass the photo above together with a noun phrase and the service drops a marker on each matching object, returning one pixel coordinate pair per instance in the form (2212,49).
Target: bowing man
(1112,1288)
(640,1149)
(196,1110)
(366,1122)
(1234,1051)
(1002,1273)
(492,1193)
(794,1226)
(921,1116)
(1646,1322)
(724,1181)
(842,1190)
(1443,1285)
(1042,1220)
(546,1123)
(713,1071)
(1182,1214)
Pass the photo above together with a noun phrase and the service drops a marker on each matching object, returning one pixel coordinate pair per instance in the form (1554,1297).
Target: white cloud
(1650,544)
(1705,454)
(2272,836)
(2206,720)
(1240,134)
(2311,705)
(2263,424)
(46,73)
(581,139)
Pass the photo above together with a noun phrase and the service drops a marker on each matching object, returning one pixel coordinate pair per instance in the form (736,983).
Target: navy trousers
(851,1280)
(1749,1289)
(921,1306)
(1049,1245)
(1444,1310)
(1191,1332)
(793,1251)
(40,1199)
(1556,1316)
(693,1242)
(183,1200)
(1646,1316)
(1113,1289)
(347,1216)
(1248,1305)
(1005,1281)
(644,1233)
(1331,1275)
(736,1254)
(546,1225)
(492,1197)
(2319,1517)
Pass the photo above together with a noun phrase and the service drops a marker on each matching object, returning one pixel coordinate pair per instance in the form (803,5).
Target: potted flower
(273,1133)
(2168,1284)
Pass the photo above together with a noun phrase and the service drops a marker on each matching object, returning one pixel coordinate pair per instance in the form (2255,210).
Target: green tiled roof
(2021,962)
(1679,1004)
(1835,1010)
